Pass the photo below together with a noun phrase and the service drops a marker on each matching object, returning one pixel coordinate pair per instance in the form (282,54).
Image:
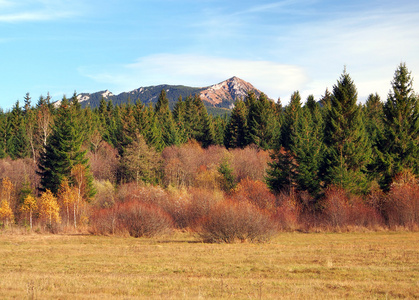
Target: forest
(131,169)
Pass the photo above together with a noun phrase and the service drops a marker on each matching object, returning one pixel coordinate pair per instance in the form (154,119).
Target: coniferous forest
(330,163)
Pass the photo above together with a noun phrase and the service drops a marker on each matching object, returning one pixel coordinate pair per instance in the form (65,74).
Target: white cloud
(272,78)
(37,10)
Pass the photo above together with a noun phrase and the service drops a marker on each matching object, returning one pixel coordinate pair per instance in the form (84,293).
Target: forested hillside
(337,163)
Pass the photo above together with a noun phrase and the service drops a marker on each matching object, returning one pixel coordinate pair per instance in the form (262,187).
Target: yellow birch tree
(29,205)
(49,208)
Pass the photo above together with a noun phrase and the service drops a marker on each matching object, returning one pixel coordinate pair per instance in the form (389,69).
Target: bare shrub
(342,210)
(201,202)
(133,217)
(336,207)
(255,192)
(180,164)
(287,212)
(104,162)
(103,221)
(401,204)
(249,162)
(231,221)
(144,219)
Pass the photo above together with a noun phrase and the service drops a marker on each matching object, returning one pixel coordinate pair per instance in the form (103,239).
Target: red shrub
(401,204)
(134,217)
(231,221)
(255,192)
(143,219)
(287,213)
(342,209)
(249,162)
(105,221)
(201,202)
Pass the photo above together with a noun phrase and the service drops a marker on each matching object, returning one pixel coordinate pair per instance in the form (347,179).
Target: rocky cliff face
(227,91)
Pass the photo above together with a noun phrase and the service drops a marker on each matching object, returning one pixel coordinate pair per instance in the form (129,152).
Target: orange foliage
(255,192)
(231,221)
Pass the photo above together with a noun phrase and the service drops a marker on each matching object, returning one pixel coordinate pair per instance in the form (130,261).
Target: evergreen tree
(63,150)
(374,114)
(262,123)
(399,146)
(17,141)
(165,121)
(296,158)
(179,112)
(348,148)
(236,130)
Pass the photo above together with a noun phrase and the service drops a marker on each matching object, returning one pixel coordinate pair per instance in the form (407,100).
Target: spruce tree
(63,151)
(165,121)
(261,122)
(17,141)
(400,144)
(296,158)
(348,148)
(236,130)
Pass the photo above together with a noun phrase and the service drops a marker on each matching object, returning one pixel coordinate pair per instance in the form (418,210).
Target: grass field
(373,265)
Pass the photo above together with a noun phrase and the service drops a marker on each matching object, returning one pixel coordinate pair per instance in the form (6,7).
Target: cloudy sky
(62,46)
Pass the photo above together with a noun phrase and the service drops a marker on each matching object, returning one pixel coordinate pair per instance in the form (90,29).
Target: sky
(65,46)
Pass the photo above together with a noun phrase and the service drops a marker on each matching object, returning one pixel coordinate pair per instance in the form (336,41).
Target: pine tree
(165,121)
(17,140)
(63,150)
(262,123)
(236,130)
(179,112)
(295,161)
(399,146)
(348,148)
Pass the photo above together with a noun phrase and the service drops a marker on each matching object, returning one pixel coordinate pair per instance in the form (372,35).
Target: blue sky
(62,46)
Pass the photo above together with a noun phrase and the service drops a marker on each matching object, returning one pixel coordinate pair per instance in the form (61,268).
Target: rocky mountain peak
(227,91)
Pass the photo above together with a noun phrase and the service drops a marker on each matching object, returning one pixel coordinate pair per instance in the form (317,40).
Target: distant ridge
(221,95)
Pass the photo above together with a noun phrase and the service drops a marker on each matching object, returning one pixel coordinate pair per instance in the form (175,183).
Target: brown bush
(104,162)
(249,162)
(104,221)
(287,212)
(231,221)
(144,219)
(342,209)
(401,204)
(134,217)
(201,202)
(180,164)
(255,192)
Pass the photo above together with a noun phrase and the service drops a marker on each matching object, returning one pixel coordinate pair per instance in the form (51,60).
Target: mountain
(217,97)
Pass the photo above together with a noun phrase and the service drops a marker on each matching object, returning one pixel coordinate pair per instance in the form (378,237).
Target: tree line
(334,141)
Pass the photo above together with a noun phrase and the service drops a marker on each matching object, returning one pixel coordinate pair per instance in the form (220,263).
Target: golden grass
(374,265)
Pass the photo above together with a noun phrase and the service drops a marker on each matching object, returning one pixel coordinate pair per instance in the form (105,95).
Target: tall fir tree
(236,130)
(262,122)
(399,147)
(63,151)
(348,148)
(16,141)
(165,121)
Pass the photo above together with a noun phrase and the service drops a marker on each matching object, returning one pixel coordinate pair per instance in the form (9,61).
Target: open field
(375,265)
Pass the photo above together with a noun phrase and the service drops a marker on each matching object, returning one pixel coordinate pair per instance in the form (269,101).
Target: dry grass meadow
(369,265)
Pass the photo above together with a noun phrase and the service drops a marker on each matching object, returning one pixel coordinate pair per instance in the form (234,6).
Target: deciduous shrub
(256,192)
(231,221)
(144,219)
(401,204)
(342,210)
(133,217)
